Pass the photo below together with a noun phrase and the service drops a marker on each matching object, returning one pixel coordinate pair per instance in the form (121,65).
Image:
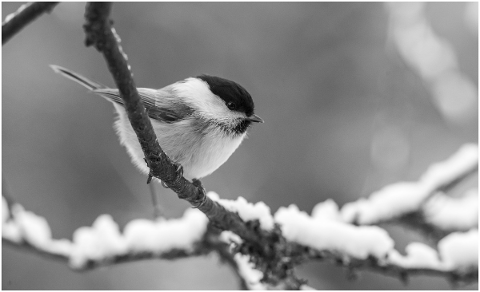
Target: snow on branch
(27,13)
(452,214)
(329,232)
(371,247)
(426,195)
(103,243)
(289,237)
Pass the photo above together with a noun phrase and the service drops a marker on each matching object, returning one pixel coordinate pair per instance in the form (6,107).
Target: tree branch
(22,17)
(305,238)
(101,34)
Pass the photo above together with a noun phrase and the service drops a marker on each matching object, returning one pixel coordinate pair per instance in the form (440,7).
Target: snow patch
(100,241)
(104,240)
(464,159)
(418,256)
(33,229)
(449,213)
(250,275)
(247,211)
(389,202)
(163,235)
(327,210)
(404,197)
(356,241)
(459,251)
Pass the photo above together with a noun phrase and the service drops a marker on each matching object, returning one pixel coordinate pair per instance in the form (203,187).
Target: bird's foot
(203,196)
(179,169)
(150,175)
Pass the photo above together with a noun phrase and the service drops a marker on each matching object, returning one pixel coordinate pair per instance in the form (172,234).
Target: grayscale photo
(239,145)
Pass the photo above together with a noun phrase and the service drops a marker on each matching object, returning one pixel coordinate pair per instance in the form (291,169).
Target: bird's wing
(161,104)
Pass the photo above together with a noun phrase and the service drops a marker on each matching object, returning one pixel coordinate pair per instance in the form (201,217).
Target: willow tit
(199,121)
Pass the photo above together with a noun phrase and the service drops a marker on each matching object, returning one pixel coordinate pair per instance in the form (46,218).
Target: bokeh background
(354,96)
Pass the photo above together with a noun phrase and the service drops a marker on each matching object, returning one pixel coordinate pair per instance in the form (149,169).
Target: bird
(199,121)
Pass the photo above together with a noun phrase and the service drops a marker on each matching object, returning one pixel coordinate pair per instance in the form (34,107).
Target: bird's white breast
(199,152)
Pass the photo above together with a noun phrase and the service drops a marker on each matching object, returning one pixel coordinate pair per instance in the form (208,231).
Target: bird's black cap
(235,96)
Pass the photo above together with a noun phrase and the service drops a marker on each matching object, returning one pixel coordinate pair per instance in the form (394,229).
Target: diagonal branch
(27,13)
(101,34)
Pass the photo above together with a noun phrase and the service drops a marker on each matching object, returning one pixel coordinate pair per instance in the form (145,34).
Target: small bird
(199,121)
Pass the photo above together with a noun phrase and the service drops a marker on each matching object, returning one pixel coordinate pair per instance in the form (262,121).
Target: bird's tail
(77,78)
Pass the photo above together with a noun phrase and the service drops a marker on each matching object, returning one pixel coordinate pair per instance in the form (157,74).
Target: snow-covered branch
(371,247)
(424,204)
(331,232)
(103,243)
(289,237)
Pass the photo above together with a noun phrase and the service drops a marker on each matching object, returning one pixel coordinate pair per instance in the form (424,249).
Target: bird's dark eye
(231,105)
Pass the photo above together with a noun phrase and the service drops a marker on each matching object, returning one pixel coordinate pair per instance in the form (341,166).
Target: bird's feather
(162,105)
(155,103)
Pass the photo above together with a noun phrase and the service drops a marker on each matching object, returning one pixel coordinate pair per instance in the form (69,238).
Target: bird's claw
(150,176)
(203,195)
(179,169)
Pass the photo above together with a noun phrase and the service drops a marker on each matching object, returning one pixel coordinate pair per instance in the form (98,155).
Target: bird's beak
(255,118)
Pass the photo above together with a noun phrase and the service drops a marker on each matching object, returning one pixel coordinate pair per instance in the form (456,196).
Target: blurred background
(354,96)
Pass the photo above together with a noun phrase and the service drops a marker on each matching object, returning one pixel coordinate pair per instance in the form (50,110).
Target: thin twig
(22,17)
(157,208)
